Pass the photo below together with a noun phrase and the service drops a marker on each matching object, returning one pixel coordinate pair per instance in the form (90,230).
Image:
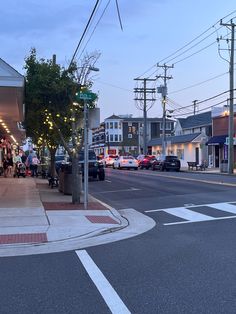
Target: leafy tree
(53,114)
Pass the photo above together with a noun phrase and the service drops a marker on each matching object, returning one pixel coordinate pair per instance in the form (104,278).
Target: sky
(152,31)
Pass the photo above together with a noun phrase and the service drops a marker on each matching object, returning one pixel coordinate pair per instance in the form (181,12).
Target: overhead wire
(189,43)
(84,32)
(198,84)
(95,27)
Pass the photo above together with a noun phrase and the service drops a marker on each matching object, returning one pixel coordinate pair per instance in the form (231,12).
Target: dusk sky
(152,30)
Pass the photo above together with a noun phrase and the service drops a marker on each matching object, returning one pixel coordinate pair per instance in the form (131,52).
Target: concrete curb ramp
(132,224)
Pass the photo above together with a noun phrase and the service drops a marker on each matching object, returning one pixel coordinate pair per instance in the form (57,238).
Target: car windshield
(171,157)
(128,157)
(91,155)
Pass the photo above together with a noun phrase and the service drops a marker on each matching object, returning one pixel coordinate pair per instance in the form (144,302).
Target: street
(185,264)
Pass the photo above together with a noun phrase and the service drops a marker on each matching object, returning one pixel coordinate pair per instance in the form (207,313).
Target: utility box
(224,166)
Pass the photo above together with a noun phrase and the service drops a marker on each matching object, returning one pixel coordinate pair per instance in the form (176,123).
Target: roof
(114,117)
(216,140)
(197,120)
(148,119)
(187,138)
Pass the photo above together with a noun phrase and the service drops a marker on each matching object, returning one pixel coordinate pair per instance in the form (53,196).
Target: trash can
(224,166)
(65,179)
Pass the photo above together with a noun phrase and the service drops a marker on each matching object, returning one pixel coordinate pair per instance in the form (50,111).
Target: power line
(84,32)
(189,43)
(95,27)
(201,110)
(200,83)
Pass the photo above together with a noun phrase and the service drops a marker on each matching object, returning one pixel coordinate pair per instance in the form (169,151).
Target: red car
(147,161)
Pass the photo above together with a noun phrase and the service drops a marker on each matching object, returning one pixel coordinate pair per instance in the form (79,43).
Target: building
(218,143)
(191,135)
(11,107)
(123,134)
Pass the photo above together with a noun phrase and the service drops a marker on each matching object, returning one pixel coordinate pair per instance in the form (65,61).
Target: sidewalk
(31,213)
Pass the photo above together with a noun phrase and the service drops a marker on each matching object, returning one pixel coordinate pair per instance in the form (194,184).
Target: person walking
(16,160)
(7,165)
(32,162)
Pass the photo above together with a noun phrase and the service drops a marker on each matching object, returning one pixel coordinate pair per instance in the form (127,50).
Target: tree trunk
(52,162)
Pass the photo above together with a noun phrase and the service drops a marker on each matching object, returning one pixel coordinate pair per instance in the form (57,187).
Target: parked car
(167,163)
(95,169)
(109,160)
(146,162)
(128,162)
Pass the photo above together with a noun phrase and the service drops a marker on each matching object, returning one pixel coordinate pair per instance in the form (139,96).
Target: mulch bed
(70,206)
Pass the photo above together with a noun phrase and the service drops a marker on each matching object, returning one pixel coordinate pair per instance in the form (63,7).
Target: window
(107,125)
(111,137)
(168,126)
(116,137)
(119,137)
(180,153)
(129,123)
(115,125)
(130,136)
(130,129)
(119,125)
(111,125)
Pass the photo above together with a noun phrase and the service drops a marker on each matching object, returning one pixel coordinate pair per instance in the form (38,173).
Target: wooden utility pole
(163,91)
(231,26)
(142,96)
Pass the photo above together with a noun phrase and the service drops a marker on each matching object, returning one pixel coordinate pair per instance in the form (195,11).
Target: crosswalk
(191,213)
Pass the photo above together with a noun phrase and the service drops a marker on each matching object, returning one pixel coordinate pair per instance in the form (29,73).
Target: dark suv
(167,163)
(96,169)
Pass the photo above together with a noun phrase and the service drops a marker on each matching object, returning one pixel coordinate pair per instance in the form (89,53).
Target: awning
(217,140)
(11,103)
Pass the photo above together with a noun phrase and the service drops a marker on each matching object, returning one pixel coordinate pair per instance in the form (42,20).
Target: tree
(53,115)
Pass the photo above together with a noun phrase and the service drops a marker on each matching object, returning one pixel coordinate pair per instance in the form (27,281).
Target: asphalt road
(180,266)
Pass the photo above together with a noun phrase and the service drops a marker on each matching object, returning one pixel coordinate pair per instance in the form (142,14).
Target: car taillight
(123,162)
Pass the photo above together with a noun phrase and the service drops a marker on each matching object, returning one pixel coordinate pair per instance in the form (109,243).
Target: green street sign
(86,96)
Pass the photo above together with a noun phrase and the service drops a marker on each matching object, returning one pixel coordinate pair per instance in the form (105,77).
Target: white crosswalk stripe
(187,214)
(225,207)
(190,215)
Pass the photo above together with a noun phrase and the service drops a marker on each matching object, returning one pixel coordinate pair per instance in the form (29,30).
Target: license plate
(172,164)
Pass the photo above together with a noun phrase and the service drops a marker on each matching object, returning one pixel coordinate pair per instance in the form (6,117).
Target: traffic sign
(87,96)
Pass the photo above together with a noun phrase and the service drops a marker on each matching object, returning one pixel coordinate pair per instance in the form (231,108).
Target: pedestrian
(7,164)
(16,160)
(32,162)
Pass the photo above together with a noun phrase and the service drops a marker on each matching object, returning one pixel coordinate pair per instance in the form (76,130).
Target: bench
(193,165)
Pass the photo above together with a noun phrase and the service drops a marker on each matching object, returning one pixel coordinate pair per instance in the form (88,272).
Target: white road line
(115,191)
(224,207)
(187,214)
(108,181)
(110,296)
(188,222)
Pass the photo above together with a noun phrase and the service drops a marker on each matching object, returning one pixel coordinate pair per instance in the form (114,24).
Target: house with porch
(189,141)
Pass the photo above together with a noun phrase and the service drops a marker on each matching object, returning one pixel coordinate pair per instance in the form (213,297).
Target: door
(197,155)
(217,156)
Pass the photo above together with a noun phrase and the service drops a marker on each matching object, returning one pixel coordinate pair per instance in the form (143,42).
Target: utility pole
(163,90)
(194,106)
(231,26)
(142,95)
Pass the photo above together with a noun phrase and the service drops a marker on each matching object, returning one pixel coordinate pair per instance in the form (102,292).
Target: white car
(127,162)
(109,160)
